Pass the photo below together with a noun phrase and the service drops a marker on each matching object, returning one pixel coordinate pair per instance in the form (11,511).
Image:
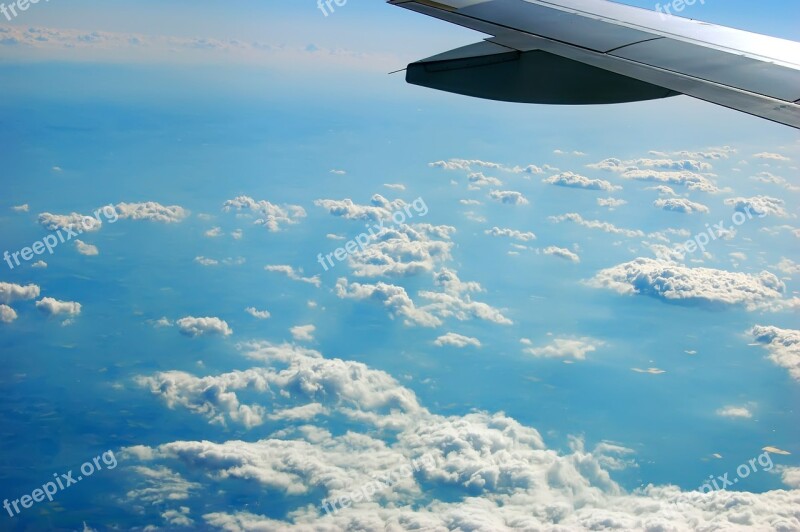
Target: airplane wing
(597,52)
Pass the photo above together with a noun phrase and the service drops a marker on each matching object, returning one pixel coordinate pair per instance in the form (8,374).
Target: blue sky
(555,356)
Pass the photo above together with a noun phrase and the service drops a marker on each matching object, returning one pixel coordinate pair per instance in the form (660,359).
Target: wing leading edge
(595,52)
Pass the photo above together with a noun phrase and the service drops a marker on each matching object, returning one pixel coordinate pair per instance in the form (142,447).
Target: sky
(526,342)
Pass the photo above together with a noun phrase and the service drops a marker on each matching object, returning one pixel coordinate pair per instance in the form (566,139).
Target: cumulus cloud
(379,208)
(403,251)
(453,301)
(767,156)
(303,333)
(572,180)
(258,314)
(73,221)
(478,179)
(205,261)
(688,173)
(760,206)
(783,346)
(39,264)
(86,249)
(456,340)
(498,473)
(611,203)
(596,224)
(11,292)
(561,253)
(669,281)
(681,205)
(741,412)
(393,297)
(525,236)
(509,197)
(273,217)
(290,272)
(194,327)
(151,211)
(575,348)
(7,314)
(54,307)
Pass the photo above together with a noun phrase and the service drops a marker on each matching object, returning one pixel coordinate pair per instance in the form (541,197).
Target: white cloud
(571,180)
(86,249)
(681,205)
(766,156)
(194,327)
(741,412)
(561,253)
(54,307)
(596,224)
(290,272)
(526,236)
(498,473)
(403,251)
(663,190)
(205,261)
(152,211)
(783,346)
(788,266)
(673,282)
(395,186)
(453,301)
(11,292)
(272,216)
(303,333)
(509,197)
(766,177)
(258,314)
(39,264)
(611,203)
(456,340)
(74,221)
(576,348)
(392,297)
(213,232)
(478,179)
(21,208)
(760,206)
(379,208)
(7,314)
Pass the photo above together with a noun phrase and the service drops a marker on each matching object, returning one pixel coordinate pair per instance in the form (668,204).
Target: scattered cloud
(514,234)
(572,348)
(258,314)
(303,333)
(194,327)
(571,180)
(290,272)
(86,249)
(561,253)
(457,340)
